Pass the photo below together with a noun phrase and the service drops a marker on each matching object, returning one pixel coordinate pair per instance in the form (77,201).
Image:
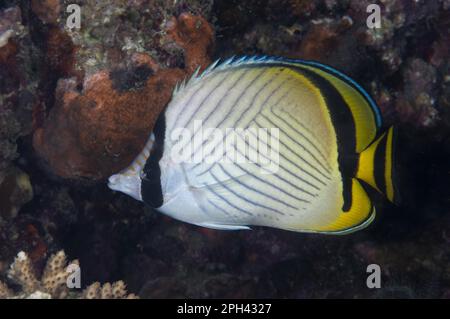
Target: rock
(99,130)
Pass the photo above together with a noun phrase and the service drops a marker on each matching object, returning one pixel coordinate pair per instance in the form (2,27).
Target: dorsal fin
(234,61)
(219,65)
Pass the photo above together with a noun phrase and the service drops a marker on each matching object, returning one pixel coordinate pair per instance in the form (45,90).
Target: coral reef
(83,101)
(418,98)
(335,33)
(100,129)
(53,282)
(104,74)
(17,85)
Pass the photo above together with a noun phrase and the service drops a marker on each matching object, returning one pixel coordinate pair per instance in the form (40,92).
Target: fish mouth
(113,180)
(127,184)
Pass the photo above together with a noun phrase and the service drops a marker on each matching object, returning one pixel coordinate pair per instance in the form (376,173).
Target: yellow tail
(375,165)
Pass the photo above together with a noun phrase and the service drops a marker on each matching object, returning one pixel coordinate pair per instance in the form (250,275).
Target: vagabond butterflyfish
(266,141)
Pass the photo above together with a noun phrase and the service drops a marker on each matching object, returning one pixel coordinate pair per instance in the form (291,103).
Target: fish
(316,170)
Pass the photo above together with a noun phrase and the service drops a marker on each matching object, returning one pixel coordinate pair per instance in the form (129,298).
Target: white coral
(53,282)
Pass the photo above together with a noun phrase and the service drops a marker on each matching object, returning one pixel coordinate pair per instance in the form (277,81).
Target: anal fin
(359,216)
(223,227)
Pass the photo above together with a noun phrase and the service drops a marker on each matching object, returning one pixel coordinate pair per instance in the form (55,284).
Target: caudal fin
(376,166)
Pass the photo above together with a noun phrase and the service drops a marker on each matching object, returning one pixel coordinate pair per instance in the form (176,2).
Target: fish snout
(113,180)
(127,184)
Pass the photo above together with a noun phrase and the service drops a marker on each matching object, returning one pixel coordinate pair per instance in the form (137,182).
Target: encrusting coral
(53,282)
(17,86)
(100,130)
